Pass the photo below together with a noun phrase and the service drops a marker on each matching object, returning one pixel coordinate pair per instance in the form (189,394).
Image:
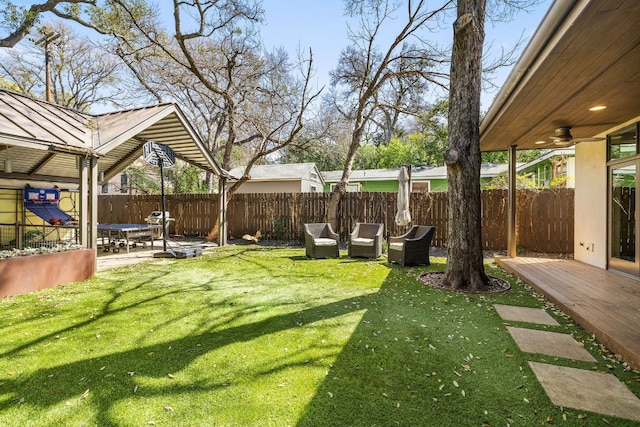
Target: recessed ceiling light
(540,142)
(597,107)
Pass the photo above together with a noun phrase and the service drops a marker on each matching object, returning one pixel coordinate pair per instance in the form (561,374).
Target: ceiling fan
(562,138)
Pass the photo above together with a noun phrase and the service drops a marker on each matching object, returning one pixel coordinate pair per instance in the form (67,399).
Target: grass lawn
(259,336)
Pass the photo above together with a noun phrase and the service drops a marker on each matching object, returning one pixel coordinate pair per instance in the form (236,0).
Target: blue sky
(321,25)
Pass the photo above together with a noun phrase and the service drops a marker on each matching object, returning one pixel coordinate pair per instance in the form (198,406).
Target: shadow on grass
(103,379)
(397,367)
(414,363)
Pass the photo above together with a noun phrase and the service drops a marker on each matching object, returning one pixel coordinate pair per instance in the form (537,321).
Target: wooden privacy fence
(545,217)
(194,214)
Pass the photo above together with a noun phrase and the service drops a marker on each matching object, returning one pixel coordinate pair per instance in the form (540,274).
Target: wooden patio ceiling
(584,53)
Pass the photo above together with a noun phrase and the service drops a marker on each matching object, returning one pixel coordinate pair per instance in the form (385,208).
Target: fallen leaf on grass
(168,409)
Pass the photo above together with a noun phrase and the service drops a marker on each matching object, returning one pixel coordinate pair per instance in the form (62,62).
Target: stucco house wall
(427,178)
(590,229)
(311,184)
(270,187)
(280,178)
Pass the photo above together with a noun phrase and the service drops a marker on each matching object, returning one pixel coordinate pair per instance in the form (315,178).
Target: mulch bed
(434,279)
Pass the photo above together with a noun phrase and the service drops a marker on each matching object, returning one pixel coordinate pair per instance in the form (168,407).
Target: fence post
(19,236)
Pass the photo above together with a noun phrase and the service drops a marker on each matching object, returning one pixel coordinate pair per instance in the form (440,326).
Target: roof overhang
(43,142)
(124,133)
(584,53)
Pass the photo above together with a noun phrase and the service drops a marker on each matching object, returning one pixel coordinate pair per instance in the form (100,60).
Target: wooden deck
(602,302)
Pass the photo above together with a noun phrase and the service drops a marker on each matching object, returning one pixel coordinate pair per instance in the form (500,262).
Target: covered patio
(47,150)
(577,83)
(43,145)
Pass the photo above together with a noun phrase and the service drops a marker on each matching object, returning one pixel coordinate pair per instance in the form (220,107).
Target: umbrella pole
(408,166)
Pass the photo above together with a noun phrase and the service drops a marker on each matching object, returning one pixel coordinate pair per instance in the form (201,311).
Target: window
(420,187)
(351,188)
(623,143)
(313,176)
(105,188)
(124,180)
(313,189)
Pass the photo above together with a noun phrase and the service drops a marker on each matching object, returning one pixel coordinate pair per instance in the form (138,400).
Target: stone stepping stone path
(570,387)
(549,343)
(525,314)
(587,390)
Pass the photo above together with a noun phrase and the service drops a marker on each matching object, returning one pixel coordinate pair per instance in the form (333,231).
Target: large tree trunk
(341,187)
(465,268)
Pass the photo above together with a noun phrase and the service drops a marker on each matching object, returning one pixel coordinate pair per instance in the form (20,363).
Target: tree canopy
(391,100)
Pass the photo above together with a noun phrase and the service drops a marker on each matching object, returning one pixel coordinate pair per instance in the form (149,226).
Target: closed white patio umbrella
(403,216)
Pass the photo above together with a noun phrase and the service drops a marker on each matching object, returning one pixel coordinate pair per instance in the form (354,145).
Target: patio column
(93,202)
(222,214)
(511,210)
(83,212)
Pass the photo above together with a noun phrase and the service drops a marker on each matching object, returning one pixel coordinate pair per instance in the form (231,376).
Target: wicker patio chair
(411,248)
(320,241)
(366,240)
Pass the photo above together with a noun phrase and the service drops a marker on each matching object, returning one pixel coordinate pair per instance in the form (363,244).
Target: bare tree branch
(25,19)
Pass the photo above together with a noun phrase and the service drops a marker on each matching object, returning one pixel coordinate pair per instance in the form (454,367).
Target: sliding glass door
(623,250)
(624,163)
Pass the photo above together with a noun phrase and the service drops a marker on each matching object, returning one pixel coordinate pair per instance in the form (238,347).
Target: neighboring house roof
(583,53)
(420,173)
(42,140)
(277,172)
(549,154)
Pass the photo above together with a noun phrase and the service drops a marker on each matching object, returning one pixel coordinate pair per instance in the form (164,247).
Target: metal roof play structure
(46,145)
